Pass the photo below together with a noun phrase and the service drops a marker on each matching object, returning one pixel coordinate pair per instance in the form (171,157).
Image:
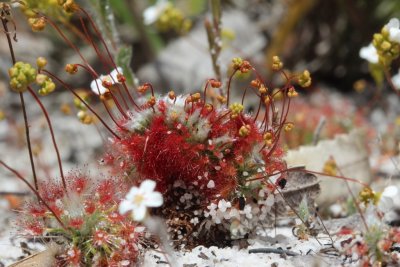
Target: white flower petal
(139,213)
(154,199)
(394,35)
(393,23)
(369,53)
(396,80)
(114,73)
(390,191)
(151,14)
(97,87)
(124,206)
(132,193)
(147,186)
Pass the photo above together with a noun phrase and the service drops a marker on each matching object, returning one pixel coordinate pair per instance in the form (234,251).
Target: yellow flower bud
(71,68)
(262,89)
(244,130)
(21,76)
(152,101)
(37,24)
(305,79)
(289,126)
(292,92)
(221,99)
(277,64)
(41,62)
(196,97)
(237,63)
(171,95)
(268,138)
(236,109)
(368,196)
(70,6)
(84,117)
(330,167)
(40,79)
(385,46)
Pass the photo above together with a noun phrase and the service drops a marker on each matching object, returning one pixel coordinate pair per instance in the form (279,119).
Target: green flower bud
(21,76)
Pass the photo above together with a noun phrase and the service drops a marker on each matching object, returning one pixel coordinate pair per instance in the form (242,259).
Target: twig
(273,250)
(19,176)
(21,96)
(317,132)
(213,30)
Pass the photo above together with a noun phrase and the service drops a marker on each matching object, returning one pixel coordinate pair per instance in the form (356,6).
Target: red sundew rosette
(166,152)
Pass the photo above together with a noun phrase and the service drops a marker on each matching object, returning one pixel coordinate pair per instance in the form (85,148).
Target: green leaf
(124,58)
(304,213)
(106,19)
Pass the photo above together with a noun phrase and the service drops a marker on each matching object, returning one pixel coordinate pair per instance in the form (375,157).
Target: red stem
(83,101)
(105,64)
(34,191)
(389,79)
(108,53)
(52,135)
(229,87)
(87,35)
(68,42)
(21,96)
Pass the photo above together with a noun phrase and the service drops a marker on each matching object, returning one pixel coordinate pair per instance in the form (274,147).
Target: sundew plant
(177,170)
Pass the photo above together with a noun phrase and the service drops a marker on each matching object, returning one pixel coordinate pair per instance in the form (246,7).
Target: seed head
(305,79)
(37,24)
(21,76)
(71,68)
(277,64)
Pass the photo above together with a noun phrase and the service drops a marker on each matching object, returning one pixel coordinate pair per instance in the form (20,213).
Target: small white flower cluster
(152,13)
(253,216)
(97,84)
(394,36)
(394,30)
(370,53)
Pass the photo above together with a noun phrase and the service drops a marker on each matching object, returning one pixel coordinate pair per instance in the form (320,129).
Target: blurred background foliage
(323,36)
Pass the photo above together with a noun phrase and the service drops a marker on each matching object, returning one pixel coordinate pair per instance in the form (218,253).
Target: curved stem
(51,133)
(16,173)
(229,87)
(390,81)
(83,101)
(108,53)
(21,97)
(53,24)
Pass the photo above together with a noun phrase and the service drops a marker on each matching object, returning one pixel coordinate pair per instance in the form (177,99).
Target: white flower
(152,13)
(394,30)
(139,198)
(396,80)
(369,53)
(388,198)
(97,85)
